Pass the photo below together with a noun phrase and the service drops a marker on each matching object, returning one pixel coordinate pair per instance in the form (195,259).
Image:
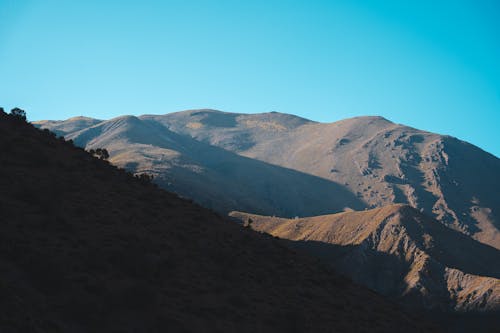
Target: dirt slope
(384,163)
(398,252)
(216,178)
(362,162)
(84,247)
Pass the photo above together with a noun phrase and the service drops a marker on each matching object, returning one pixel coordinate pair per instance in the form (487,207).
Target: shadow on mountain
(216,119)
(470,181)
(399,252)
(230,181)
(385,273)
(214,177)
(452,248)
(378,271)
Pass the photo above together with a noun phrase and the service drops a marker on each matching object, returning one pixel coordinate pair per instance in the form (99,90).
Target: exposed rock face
(355,163)
(85,247)
(398,252)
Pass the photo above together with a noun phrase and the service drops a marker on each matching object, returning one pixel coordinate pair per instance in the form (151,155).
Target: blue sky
(433,65)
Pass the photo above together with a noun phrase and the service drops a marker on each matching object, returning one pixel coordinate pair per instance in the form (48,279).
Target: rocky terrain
(399,252)
(279,164)
(86,247)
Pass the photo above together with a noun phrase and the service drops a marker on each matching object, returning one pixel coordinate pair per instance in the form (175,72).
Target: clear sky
(434,65)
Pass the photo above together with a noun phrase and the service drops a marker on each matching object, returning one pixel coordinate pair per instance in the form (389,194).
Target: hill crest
(399,252)
(377,162)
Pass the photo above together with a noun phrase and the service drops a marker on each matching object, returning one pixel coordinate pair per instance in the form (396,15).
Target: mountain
(399,252)
(214,177)
(86,247)
(357,163)
(61,127)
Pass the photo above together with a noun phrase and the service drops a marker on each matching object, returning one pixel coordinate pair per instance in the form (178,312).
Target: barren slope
(214,177)
(384,163)
(399,252)
(85,247)
(378,161)
(369,162)
(62,127)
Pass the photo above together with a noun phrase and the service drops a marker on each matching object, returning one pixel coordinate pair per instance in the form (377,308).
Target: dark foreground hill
(85,247)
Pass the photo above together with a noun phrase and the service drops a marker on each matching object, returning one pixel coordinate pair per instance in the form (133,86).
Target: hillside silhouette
(86,247)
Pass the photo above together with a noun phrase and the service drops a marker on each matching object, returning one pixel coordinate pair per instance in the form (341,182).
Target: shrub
(100,153)
(18,113)
(144,178)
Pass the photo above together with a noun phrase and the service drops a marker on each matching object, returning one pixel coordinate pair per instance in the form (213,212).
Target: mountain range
(88,247)
(284,165)
(409,214)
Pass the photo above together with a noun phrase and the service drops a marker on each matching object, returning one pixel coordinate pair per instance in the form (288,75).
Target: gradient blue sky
(434,65)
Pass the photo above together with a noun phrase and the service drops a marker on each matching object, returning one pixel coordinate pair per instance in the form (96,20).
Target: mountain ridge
(398,252)
(377,161)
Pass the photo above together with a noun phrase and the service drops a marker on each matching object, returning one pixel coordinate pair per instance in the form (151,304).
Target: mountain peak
(80,118)
(365,121)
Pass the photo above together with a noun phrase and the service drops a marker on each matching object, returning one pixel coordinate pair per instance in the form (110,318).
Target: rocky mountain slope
(86,247)
(398,252)
(355,163)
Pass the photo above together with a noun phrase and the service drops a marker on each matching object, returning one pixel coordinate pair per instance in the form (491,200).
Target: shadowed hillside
(363,162)
(85,247)
(398,252)
(214,177)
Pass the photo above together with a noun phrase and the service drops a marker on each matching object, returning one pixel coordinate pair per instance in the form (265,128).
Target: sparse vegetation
(144,178)
(48,132)
(100,153)
(18,113)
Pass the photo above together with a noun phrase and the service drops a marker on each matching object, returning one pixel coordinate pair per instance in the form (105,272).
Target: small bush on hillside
(100,153)
(144,178)
(18,113)
(48,132)
(249,223)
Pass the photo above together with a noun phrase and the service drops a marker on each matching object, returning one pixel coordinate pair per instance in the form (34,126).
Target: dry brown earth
(296,167)
(398,252)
